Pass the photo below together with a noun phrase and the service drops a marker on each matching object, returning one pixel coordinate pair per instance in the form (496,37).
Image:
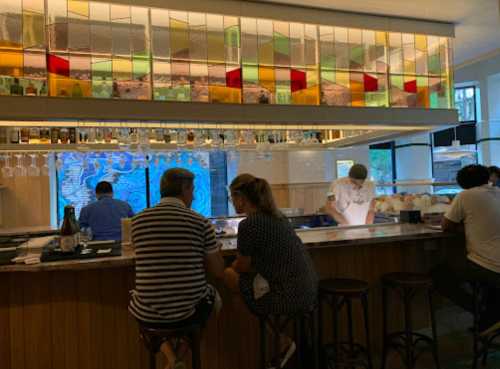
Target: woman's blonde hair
(257,191)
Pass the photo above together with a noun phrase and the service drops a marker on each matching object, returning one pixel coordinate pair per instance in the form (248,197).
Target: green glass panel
(141,68)
(102,81)
(434,64)
(251,73)
(281,44)
(328,75)
(232,36)
(357,57)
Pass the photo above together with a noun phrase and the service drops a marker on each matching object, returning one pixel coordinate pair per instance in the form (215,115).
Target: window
(382,167)
(465,102)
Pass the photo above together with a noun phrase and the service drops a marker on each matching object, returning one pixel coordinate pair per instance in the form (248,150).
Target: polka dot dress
(279,256)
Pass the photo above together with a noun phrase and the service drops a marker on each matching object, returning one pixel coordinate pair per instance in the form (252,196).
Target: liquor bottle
(64,135)
(44,135)
(54,135)
(159,137)
(68,230)
(3,135)
(31,90)
(25,135)
(34,135)
(92,135)
(14,135)
(108,135)
(72,135)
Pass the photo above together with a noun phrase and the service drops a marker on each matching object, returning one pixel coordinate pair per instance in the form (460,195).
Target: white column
(414,162)
(489,140)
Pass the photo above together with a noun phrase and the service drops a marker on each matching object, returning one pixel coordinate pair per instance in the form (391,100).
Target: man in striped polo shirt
(175,248)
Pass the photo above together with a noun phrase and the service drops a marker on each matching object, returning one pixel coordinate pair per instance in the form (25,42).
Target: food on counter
(425,203)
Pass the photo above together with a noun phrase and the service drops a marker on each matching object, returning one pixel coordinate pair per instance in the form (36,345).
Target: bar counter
(73,314)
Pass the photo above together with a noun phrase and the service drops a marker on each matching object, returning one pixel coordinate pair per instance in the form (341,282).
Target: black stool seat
(339,293)
(403,279)
(407,342)
(153,337)
(343,286)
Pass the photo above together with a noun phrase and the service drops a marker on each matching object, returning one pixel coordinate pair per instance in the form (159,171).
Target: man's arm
(450,226)
(370,217)
(214,264)
(331,210)
(242,264)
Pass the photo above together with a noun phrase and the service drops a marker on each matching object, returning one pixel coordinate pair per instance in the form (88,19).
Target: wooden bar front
(76,317)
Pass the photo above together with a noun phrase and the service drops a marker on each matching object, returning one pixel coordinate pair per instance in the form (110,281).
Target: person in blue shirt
(104,216)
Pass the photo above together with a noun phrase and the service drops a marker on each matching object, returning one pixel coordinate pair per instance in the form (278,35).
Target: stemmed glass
(20,169)
(229,138)
(7,170)
(215,137)
(33,170)
(181,137)
(45,167)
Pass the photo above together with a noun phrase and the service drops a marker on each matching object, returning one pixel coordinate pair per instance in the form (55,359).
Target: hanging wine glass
(248,137)
(85,162)
(20,169)
(109,160)
(122,161)
(33,170)
(181,137)
(215,138)
(190,159)
(199,137)
(45,167)
(178,158)
(229,138)
(7,170)
(157,158)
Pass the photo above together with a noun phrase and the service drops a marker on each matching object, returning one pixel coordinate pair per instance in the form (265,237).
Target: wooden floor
(79,320)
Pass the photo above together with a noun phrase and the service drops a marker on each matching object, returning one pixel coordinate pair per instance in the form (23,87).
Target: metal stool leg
(410,361)
(364,303)
(435,347)
(263,343)
(385,307)
(350,330)
(195,349)
(277,346)
(298,341)
(335,321)
(315,338)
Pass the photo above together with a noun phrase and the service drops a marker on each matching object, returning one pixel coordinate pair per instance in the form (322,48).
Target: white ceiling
(477,21)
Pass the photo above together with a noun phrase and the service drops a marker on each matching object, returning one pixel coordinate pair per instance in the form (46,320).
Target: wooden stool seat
(403,279)
(343,286)
(153,337)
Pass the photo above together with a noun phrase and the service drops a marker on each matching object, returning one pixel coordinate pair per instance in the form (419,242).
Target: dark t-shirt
(280,257)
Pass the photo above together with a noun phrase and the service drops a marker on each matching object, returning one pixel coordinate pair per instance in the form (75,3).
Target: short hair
(174,180)
(494,170)
(472,176)
(358,171)
(103,188)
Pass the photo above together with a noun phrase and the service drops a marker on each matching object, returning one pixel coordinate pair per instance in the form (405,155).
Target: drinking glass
(215,137)
(45,167)
(20,169)
(7,170)
(199,137)
(181,137)
(229,138)
(109,159)
(33,170)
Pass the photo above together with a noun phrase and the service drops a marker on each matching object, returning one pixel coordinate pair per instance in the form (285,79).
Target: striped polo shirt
(171,243)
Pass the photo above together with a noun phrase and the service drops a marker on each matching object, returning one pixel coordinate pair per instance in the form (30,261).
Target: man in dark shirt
(104,216)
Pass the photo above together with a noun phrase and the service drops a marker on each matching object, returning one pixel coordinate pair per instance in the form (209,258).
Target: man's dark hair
(358,171)
(103,188)
(173,181)
(494,170)
(473,176)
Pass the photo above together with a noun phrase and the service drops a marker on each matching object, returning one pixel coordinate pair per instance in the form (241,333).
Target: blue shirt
(104,218)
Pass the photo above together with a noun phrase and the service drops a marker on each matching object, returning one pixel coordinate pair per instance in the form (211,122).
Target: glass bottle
(54,135)
(3,135)
(64,135)
(25,135)
(72,135)
(44,135)
(68,230)
(34,135)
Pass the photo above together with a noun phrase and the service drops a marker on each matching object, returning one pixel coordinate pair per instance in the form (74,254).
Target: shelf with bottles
(100,138)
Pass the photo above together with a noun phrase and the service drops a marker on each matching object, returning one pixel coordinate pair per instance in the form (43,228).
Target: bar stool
(338,293)
(278,323)
(153,338)
(407,342)
(482,345)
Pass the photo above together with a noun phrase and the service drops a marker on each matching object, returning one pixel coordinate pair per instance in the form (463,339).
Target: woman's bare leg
(169,353)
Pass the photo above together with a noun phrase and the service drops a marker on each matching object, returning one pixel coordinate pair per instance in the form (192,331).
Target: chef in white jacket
(351,200)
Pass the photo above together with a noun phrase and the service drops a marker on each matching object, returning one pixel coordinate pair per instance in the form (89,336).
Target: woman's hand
(232,280)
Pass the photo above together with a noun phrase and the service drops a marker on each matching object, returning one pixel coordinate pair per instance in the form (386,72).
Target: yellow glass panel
(421,42)
(79,8)
(266,54)
(11,63)
(179,39)
(60,85)
(357,92)
(309,96)
(342,79)
(380,38)
(267,78)
(122,69)
(222,94)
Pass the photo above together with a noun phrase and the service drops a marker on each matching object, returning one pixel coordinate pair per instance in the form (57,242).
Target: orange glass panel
(267,78)
(357,89)
(11,63)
